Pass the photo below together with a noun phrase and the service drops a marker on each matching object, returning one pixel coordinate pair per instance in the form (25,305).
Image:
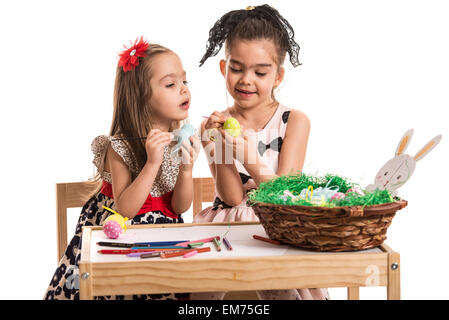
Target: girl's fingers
(160,140)
(161,135)
(153,132)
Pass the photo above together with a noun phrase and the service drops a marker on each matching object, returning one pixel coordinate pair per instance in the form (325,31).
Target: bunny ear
(404,142)
(429,146)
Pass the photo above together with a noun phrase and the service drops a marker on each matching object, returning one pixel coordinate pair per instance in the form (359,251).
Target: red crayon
(266,239)
(128,251)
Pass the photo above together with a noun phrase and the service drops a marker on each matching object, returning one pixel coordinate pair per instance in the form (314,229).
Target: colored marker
(227,243)
(266,239)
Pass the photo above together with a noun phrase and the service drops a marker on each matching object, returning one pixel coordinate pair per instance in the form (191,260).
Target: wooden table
(251,265)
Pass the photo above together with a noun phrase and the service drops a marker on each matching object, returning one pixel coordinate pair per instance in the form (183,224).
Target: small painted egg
(112,229)
(356,191)
(232,126)
(117,218)
(338,195)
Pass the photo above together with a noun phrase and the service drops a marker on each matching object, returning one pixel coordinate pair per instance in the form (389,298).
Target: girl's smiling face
(252,72)
(170,96)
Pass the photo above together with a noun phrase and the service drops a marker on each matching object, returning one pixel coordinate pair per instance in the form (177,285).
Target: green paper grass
(272,191)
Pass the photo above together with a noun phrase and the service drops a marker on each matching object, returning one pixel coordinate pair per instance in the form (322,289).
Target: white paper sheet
(240,237)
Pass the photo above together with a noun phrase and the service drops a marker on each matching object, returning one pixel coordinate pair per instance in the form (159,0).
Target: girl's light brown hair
(132,110)
(132,115)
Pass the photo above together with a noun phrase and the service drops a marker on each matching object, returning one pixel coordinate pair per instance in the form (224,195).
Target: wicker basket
(328,229)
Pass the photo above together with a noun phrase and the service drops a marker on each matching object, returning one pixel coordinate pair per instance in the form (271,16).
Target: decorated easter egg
(117,218)
(355,191)
(232,126)
(185,133)
(112,229)
(338,195)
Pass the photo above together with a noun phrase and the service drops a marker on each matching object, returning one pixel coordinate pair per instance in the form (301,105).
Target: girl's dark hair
(253,23)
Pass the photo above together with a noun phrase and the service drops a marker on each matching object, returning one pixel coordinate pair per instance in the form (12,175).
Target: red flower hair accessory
(129,59)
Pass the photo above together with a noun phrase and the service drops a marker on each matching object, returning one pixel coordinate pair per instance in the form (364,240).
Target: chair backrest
(73,195)
(68,195)
(203,191)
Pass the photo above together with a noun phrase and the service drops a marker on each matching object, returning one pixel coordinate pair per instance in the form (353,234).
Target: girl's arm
(293,152)
(183,192)
(226,177)
(129,196)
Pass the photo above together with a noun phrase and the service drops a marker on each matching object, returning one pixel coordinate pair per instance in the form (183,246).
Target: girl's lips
(244,93)
(185,105)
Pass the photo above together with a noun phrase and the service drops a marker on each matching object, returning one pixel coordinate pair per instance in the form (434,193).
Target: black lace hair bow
(226,24)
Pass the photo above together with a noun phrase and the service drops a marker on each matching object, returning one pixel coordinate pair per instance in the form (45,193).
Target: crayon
(201,240)
(181,253)
(217,244)
(190,254)
(227,243)
(159,243)
(266,239)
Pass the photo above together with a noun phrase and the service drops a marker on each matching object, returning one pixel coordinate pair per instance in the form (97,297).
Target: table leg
(85,282)
(394,277)
(353,293)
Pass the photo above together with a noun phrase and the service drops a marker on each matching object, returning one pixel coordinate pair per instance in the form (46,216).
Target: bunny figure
(398,170)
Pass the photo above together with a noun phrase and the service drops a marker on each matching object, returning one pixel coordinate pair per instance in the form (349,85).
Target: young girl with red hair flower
(137,177)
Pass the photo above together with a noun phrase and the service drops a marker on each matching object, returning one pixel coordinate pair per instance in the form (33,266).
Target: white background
(370,71)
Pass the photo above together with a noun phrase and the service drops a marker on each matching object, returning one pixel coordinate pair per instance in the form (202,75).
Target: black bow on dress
(275,145)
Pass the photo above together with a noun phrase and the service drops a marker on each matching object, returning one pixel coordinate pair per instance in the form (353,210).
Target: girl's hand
(189,153)
(154,145)
(214,122)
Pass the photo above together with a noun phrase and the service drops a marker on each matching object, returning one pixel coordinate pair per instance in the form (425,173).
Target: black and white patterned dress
(65,281)
(269,144)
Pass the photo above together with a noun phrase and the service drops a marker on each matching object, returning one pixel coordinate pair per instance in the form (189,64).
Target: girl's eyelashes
(170,85)
(260,74)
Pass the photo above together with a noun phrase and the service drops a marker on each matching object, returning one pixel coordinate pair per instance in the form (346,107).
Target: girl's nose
(184,88)
(246,78)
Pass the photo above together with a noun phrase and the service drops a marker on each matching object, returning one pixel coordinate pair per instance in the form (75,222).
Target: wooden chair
(68,195)
(73,195)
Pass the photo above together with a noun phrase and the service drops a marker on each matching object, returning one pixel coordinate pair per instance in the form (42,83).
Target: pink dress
(269,143)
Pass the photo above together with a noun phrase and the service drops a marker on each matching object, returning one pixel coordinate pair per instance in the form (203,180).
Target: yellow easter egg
(118,218)
(232,126)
